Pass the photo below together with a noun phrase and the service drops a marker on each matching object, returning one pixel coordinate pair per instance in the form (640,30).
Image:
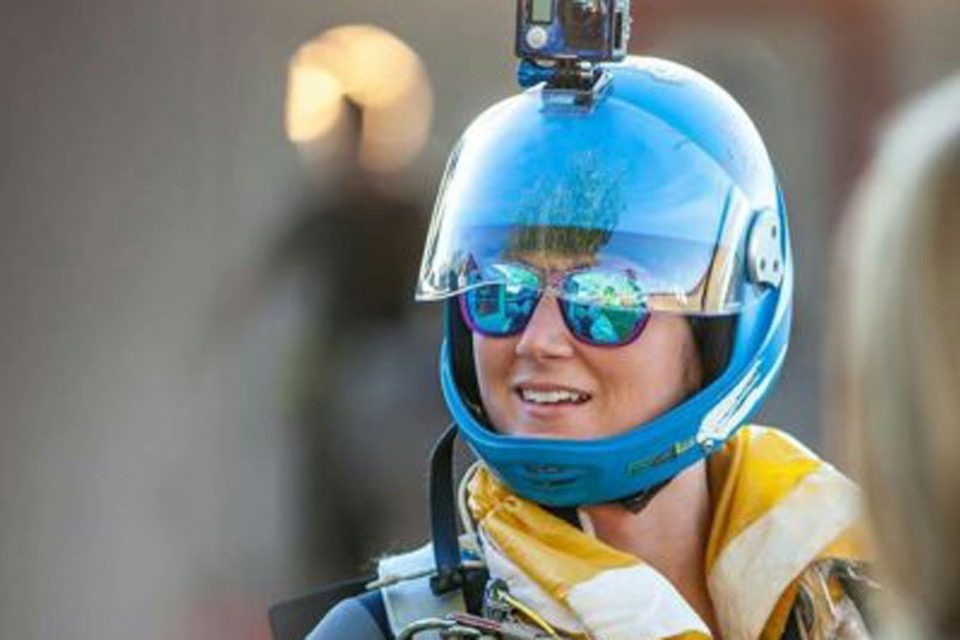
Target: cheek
(651,375)
(492,357)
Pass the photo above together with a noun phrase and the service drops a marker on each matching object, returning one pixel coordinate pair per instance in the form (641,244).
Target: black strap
(443,515)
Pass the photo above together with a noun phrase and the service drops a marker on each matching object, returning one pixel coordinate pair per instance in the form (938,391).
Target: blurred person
(617,285)
(897,382)
(352,306)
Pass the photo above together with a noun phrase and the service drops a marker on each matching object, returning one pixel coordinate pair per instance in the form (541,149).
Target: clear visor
(615,190)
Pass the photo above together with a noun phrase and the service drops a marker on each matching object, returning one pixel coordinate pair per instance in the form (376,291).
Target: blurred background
(215,390)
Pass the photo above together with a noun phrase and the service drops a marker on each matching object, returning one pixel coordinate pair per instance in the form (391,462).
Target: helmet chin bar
(634,503)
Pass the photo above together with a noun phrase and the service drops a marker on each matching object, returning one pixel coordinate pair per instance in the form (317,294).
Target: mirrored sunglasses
(600,307)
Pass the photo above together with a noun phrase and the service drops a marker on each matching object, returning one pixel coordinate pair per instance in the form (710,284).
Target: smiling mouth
(552,397)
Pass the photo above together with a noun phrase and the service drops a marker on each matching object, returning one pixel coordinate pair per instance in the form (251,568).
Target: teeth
(551,397)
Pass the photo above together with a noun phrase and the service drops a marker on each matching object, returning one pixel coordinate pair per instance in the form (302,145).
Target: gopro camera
(589,31)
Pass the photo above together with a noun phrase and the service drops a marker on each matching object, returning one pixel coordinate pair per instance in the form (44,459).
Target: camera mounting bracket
(567,82)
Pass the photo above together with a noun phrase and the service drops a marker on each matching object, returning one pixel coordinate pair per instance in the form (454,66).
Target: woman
(900,374)
(616,270)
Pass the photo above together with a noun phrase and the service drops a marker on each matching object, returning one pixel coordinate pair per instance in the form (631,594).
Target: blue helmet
(663,171)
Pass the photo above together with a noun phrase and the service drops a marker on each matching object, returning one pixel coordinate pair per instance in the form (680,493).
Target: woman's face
(544,383)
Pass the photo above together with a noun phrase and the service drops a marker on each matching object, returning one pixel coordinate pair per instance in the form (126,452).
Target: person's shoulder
(355,618)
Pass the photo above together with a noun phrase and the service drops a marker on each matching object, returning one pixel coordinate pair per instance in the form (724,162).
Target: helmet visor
(612,189)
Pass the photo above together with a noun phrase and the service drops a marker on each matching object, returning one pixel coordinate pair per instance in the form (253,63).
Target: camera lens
(583,23)
(586,8)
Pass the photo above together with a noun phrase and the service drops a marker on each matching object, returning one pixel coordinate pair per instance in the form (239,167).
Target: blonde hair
(896,385)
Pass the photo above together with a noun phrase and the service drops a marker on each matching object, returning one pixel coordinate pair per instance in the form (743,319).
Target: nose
(546,334)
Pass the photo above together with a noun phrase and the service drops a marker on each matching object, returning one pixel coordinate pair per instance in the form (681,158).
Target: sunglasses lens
(504,306)
(604,308)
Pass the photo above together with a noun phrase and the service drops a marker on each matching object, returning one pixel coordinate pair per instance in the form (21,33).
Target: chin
(553,432)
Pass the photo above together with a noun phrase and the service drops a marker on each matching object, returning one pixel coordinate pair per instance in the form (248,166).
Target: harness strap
(443,516)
